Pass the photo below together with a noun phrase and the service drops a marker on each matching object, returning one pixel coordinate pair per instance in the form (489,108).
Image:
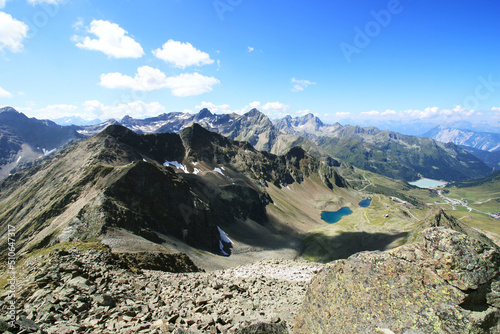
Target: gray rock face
(448,284)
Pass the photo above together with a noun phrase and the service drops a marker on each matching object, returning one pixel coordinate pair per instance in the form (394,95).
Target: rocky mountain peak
(204,113)
(117,130)
(127,118)
(8,109)
(254,113)
(11,114)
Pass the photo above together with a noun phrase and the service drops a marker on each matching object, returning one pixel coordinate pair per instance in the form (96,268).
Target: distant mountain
(253,127)
(492,159)
(485,141)
(75,120)
(23,139)
(388,153)
(136,191)
(384,152)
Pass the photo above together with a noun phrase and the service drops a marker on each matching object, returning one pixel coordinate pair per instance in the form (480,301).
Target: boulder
(447,284)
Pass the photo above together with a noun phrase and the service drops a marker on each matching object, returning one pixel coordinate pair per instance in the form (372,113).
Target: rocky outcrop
(447,284)
(90,290)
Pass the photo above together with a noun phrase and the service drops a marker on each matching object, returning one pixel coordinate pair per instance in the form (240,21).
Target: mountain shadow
(323,248)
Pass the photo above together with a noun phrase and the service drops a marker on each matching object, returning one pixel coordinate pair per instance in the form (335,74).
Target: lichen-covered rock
(448,284)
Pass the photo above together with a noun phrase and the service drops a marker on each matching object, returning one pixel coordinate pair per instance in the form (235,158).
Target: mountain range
(387,153)
(485,141)
(23,139)
(137,191)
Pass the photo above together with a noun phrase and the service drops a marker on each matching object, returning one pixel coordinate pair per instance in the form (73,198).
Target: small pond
(333,217)
(365,203)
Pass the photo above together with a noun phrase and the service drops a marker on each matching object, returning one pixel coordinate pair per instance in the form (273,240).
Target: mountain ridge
(154,186)
(485,141)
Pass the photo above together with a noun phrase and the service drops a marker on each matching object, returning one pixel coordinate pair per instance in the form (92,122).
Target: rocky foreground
(450,283)
(447,283)
(93,291)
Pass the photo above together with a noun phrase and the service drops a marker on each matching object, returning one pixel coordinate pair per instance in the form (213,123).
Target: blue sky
(428,60)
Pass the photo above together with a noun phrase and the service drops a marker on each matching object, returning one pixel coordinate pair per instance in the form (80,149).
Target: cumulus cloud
(300,85)
(250,49)
(111,39)
(148,79)
(138,109)
(4,93)
(428,115)
(370,113)
(342,114)
(53,111)
(2,3)
(12,33)
(93,109)
(182,54)
(303,112)
(221,108)
(275,106)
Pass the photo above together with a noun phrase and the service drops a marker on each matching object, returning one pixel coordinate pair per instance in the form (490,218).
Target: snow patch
(47,152)
(221,247)
(196,171)
(18,159)
(176,165)
(218,170)
(223,236)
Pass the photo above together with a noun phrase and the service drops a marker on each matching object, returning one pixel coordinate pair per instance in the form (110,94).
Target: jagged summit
(253,113)
(203,113)
(8,109)
(179,185)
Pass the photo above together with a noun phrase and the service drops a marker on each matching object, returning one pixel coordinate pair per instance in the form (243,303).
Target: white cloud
(4,93)
(2,3)
(94,109)
(370,113)
(111,40)
(146,79)
(182,54)
(12,33)
(190,84)
(303,112)
(149,78)
(389,112)
(137,109)
(254,105)
(342,114)
(300,85)
(53,111)
(250,49)
(275,106)
(222,108)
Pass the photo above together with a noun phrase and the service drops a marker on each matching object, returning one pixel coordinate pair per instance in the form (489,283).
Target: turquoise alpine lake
(333,217)
(427,183)
(365,203)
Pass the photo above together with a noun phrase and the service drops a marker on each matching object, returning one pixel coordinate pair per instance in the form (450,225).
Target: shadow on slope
(323,248)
